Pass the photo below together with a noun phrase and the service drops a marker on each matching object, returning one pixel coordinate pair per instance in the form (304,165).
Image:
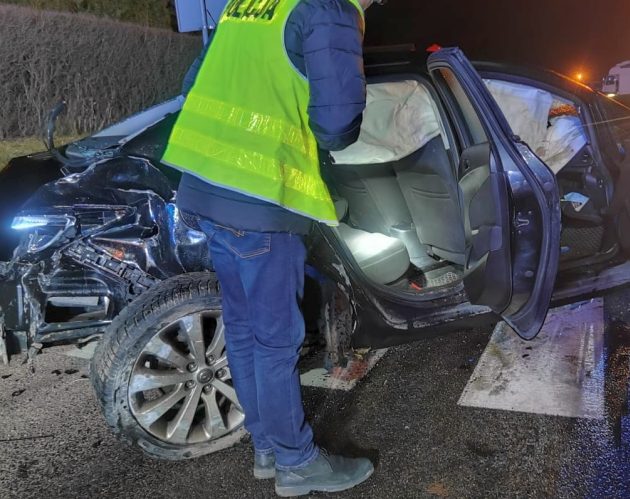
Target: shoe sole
(264,474)
(296,490)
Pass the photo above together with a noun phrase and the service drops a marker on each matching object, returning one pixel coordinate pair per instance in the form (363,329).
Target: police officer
(281,82)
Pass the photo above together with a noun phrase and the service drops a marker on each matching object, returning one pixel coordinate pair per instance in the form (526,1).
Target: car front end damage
(88,244)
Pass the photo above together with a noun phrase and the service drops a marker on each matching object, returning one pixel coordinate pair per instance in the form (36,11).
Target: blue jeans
(262,284)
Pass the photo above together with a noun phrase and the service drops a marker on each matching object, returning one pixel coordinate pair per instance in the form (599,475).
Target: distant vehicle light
(611,95)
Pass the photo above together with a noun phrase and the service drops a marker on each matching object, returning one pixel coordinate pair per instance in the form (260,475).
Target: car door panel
(484,222)
(509,203)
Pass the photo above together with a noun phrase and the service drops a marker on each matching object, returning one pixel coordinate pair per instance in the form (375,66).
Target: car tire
(130,361)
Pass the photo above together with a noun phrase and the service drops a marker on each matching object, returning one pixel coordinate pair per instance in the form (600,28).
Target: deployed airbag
(556,140)
(399,119)
(563,140)
(525,108)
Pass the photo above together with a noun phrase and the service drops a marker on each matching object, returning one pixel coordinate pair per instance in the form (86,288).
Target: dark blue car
(474,194)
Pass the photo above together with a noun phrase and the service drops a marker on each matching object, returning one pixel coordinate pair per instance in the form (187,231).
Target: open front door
(509,202)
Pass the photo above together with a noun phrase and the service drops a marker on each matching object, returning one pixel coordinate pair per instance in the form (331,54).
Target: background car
(449,218)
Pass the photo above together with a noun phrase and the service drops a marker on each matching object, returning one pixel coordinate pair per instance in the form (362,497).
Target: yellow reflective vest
(244,124)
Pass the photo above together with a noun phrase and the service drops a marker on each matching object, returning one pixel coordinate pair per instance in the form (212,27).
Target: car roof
(404,58)
(546,76)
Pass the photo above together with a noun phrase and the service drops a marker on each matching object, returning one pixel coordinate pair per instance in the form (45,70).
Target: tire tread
(111,355)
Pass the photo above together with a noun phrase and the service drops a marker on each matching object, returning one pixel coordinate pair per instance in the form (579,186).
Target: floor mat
(580,242)
(415,281)
(442,277)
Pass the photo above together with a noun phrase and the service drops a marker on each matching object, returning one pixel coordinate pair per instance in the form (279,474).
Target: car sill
(606,280)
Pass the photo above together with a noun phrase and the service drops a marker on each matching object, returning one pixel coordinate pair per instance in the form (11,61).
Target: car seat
(377,205)
(382,259)
(431,192)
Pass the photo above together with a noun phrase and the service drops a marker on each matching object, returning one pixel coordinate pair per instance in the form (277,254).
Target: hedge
(156,13)
(104,69)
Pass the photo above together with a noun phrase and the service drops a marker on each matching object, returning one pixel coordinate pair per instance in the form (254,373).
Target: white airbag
(563,140)
(399,119)
(525,108)
(555,140)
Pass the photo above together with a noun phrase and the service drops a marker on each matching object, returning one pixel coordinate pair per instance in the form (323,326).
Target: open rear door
(509,202)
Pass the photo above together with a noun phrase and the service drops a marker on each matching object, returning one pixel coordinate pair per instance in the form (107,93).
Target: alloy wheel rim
(180,388)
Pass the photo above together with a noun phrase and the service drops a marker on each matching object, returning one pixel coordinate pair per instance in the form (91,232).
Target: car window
(551,125)
(617,118)
(474,128)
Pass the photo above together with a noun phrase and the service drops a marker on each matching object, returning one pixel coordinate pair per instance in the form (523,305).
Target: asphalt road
(404,415)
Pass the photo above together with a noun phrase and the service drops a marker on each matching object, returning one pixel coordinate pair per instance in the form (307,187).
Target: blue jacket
(323,39)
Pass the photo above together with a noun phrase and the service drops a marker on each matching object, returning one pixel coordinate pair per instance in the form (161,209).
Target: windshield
(617,118)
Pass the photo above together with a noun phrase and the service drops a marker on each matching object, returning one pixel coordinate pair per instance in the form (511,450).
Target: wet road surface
(404,415)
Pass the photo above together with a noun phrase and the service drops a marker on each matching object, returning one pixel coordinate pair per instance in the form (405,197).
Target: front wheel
(161,373)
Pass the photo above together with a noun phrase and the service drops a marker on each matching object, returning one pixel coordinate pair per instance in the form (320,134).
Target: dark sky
(569,36)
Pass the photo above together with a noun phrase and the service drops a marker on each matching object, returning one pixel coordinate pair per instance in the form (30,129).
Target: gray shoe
(264,466)
(326,474)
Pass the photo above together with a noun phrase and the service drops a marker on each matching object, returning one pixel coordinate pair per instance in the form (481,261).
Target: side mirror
(49,138)
(49,132)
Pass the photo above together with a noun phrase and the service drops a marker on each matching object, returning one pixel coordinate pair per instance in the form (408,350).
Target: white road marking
(560,373)
(343,379)
(340,379)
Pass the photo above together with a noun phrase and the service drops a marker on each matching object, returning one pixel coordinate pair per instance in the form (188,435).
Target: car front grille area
(61,309)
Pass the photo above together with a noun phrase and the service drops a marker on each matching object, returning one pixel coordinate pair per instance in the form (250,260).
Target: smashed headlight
(44,230)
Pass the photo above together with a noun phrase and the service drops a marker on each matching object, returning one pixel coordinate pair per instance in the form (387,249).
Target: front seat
(382,259)
(431,191)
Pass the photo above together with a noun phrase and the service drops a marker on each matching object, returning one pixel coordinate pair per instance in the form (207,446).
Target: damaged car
(474,194)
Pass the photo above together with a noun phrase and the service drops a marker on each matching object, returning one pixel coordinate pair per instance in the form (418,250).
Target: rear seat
(400,137)
(377,204)
(382,259)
